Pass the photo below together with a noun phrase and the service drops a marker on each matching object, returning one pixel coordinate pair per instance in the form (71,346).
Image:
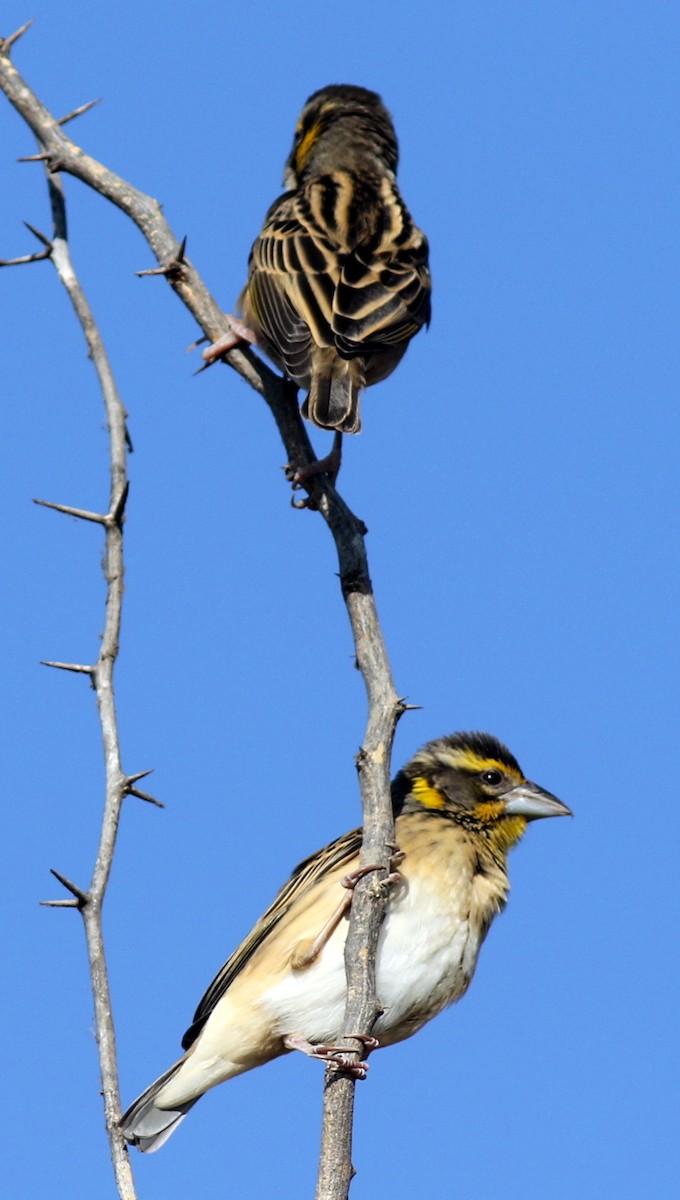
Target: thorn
(115,517)
(128,441)
(35,157)
(404,707)
(40,236)
(83,513)
(204,368)
(26,258)
(196,344)
(59,903)
(7,43)
(132,791)
(140,775)
(78,112)
(79,668)
(152,271)
(171,268)
(81,896)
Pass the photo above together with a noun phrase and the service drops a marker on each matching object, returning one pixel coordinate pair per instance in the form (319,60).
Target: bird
(338,278)
(460,804)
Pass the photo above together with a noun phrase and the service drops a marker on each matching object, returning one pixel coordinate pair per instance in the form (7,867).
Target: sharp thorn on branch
(133,791)
(81,896)
(7,43)
(78,112)
(152,271)
(136,778)
(205,367)
(40,236)
(79,668)
(59,903)
(26,258)
(83,513)
(116,514)
(173,268)
(196,344)
(35,157)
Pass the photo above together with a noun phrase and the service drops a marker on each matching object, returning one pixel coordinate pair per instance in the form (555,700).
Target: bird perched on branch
(460,805)
(338,279)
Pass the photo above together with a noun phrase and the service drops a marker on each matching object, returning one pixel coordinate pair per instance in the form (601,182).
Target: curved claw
(338,1056)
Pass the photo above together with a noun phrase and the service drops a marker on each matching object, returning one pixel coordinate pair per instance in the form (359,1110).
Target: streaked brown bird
(460,805)
(338,279)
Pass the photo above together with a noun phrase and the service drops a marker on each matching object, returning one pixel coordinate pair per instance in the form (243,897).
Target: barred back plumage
(338,278)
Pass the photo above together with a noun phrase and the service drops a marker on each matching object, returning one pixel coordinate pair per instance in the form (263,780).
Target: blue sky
(517,477)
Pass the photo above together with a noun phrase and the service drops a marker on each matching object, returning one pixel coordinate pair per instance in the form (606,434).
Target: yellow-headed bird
(460,805)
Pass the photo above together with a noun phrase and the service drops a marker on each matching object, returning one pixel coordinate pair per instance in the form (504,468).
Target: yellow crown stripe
(468,760)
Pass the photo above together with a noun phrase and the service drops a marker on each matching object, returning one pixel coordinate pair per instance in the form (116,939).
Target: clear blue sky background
(517,475)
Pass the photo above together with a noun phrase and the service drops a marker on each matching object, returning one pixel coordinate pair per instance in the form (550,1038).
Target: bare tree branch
(118,785)
(384,705)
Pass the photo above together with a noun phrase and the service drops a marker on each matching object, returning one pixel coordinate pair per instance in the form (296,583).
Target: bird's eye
(493,778)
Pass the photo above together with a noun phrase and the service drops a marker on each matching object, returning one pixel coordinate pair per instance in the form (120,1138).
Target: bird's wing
(293,271)
(383,294)
(305,876)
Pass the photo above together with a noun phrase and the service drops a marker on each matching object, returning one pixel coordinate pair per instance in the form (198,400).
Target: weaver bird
(460,805)
(338,281)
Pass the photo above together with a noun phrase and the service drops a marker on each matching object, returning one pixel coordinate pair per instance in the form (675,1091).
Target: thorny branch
(60,154)
(117,784)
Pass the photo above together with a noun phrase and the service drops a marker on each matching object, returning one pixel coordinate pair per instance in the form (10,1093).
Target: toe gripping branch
(340,1056)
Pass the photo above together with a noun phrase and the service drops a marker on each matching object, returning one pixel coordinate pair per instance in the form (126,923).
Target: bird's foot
(339,1056)
(350,881)
(239,333)
(393,876)
(330,466)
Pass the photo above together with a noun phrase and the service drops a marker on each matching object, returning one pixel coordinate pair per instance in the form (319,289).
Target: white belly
(426,958)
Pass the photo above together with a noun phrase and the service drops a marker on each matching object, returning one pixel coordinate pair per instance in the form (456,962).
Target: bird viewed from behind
(338,279)
(460,805)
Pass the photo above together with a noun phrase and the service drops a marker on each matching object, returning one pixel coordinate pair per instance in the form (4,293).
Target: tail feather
(333,400)
(148,1127)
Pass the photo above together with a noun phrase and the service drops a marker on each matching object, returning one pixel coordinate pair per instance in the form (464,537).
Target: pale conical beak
(531,801)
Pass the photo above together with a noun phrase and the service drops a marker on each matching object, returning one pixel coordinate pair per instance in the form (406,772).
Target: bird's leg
(311,953)
(239,333)
(305,958)
(330,465)
(338,1055)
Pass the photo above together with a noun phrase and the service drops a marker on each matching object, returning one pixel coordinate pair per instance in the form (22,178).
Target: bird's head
(474,780)
(337,123)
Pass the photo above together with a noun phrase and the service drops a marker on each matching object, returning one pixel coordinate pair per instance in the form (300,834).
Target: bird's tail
(333,400)
(148,1127)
